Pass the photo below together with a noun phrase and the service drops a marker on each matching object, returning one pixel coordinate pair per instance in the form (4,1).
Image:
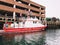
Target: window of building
(24,2)
(34,6)
(42,12)
(34,11)
(9,14)
(33,16)
(22,8)
(42,8)
(6,4)
(18,0)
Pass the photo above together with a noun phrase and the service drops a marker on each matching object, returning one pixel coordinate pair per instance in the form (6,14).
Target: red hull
(24,29)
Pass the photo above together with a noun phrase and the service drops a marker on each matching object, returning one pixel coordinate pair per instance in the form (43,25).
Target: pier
(53,25)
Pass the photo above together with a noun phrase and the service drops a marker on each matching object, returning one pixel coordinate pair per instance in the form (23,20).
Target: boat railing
(22,23)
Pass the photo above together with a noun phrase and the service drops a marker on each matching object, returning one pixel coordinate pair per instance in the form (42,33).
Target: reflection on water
(49,37)
(37,38)
(53,37)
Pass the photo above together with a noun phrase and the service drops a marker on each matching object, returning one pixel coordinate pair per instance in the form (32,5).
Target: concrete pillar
(29,9)
(14,14)
(39,18)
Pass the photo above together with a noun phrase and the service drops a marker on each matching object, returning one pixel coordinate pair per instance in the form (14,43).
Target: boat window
(12,19)
(34,22)
(4,19)
(0,18)
(9,19)
(6,25)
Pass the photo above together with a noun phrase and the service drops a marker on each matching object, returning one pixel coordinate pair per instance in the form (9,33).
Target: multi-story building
(10,9)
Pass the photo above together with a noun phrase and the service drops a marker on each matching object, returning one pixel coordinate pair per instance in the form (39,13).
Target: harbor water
(47,37)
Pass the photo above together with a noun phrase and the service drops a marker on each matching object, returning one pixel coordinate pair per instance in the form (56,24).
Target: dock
(53,25)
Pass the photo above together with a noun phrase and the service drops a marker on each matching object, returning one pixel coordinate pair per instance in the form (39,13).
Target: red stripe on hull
(24,29)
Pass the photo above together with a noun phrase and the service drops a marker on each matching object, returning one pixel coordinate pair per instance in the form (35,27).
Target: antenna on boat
(5,18)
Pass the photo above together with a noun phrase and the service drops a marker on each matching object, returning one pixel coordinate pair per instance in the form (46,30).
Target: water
(48,37)
(53,37)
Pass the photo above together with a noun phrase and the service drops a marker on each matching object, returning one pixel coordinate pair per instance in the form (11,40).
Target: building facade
(16,8)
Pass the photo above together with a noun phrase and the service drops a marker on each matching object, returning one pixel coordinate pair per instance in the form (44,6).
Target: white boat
(30,25)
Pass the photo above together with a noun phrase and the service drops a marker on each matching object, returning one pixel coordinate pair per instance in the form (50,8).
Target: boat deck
(1,31)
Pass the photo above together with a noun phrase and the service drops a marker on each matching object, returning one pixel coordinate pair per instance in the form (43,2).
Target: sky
(52,7)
